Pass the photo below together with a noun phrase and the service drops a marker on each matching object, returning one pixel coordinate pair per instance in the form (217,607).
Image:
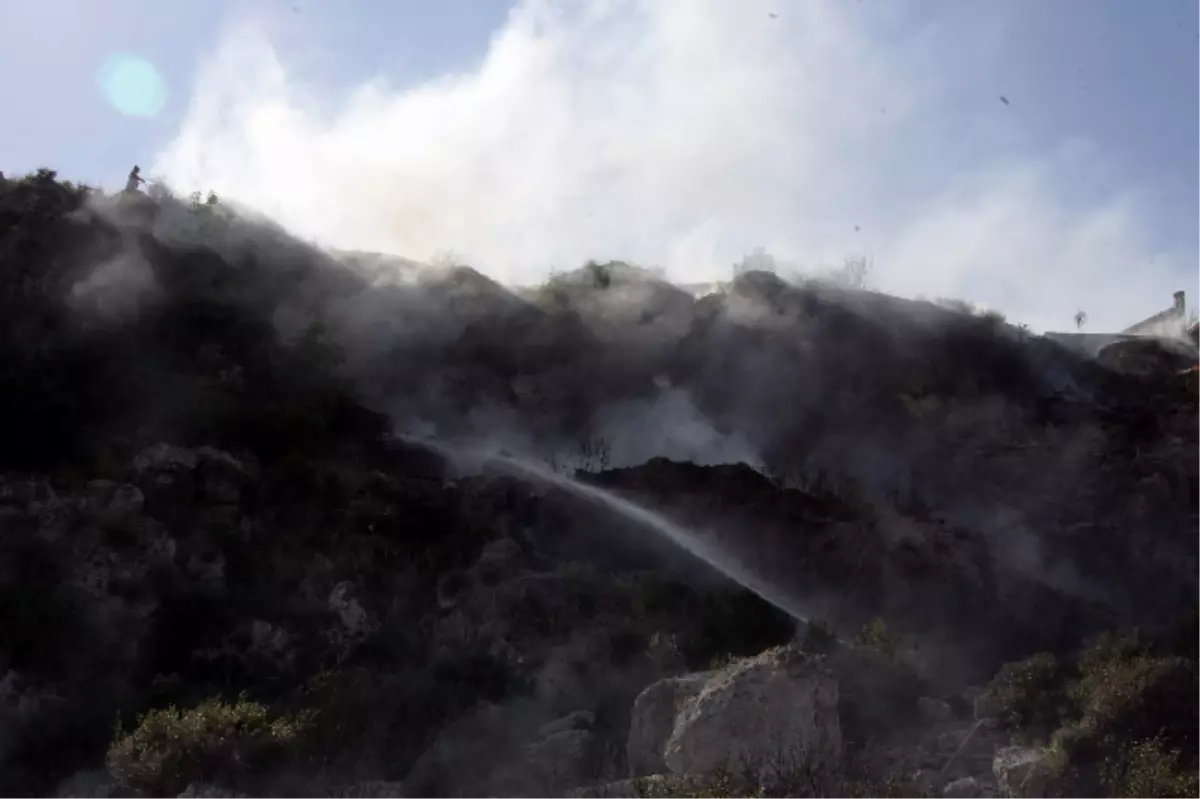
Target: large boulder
(767,718)
(653,720)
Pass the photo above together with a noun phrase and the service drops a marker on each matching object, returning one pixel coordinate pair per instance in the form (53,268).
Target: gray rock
(653,720)
(769,717)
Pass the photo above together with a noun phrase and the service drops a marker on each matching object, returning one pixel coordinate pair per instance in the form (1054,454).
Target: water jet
(713,556)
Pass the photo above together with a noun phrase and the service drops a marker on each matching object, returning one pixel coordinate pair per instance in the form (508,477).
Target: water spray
(713,556)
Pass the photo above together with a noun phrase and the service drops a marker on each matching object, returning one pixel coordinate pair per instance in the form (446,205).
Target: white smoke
(684,133)
(115,288)
(669,426)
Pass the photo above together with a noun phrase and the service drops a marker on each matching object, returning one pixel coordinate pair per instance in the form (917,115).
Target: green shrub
(1148,768)
(876,635)
(1029,697)
(169,749)
(1125,691)
(1125,713)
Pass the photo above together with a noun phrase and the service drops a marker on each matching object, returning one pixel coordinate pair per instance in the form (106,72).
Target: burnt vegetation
(221,563)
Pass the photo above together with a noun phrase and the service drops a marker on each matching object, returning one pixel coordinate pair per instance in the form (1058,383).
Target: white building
(1169,324)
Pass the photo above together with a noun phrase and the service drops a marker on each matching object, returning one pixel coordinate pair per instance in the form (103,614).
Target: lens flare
(132,85)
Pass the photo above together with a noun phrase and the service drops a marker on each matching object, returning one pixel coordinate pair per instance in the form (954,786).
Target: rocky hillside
(231,566)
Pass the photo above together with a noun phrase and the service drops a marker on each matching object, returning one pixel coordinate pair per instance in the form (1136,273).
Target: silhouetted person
(134,179)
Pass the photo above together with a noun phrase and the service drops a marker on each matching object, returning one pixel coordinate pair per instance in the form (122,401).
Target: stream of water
(687,540)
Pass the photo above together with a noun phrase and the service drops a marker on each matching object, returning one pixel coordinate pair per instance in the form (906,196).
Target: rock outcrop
(766,718)
(653,721)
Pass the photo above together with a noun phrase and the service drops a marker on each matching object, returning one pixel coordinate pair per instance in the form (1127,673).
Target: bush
(1125,712)
(1148,768)
(1028,697)
(1125,689)
(876,635)
(170,749)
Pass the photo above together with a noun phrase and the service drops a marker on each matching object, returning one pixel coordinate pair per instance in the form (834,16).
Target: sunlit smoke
(683,134)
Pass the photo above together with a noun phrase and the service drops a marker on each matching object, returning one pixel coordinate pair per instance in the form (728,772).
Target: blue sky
(68,125)
(681,133)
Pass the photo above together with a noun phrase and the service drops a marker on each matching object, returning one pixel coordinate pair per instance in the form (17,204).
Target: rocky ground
(228,570)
